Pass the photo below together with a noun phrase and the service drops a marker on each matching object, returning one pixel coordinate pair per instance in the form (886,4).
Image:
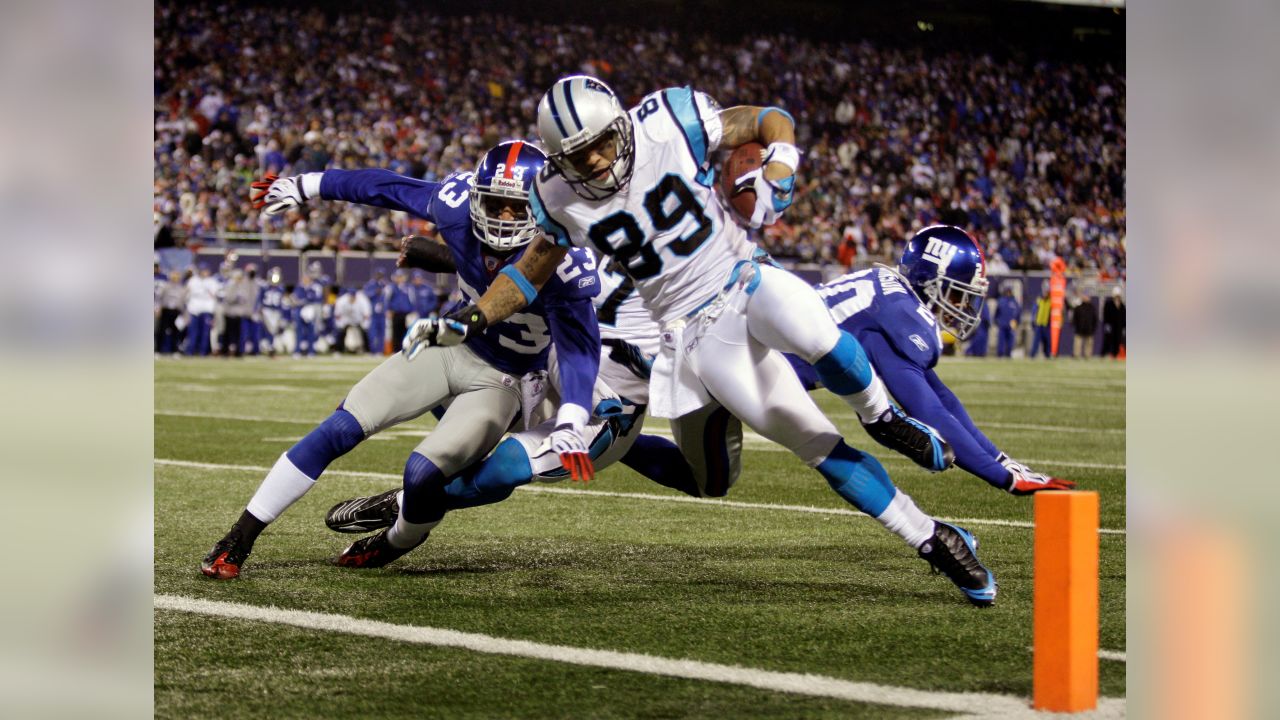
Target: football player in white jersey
(638,186)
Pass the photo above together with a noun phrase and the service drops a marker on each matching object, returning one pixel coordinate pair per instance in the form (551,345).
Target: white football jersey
(665,227)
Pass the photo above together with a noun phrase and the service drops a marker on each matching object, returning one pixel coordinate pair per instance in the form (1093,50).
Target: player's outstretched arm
(506,295)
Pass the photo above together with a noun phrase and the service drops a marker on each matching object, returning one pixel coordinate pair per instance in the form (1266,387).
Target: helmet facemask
(957,304)
(610,180)
(487,204)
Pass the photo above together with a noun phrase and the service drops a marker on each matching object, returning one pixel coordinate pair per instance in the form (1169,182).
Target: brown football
(743,160)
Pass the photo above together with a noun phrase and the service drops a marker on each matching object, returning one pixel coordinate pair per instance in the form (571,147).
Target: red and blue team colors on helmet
(946,268)
(503,180)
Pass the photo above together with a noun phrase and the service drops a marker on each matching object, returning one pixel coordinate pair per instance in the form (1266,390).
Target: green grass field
(766,588)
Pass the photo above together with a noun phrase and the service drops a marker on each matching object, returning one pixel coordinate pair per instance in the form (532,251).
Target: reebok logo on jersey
(920,343)
(587,281)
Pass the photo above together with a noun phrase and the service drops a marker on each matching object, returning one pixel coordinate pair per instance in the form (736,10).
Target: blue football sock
(330,440)
(845,370)
(858,478)
(661,461)
(424,483)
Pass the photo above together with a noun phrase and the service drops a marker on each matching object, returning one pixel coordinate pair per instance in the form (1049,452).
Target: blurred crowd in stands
(1027,154)
(234,311)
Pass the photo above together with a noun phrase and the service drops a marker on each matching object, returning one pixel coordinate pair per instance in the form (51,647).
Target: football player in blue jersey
(897,315)
(485,224)
(376,291)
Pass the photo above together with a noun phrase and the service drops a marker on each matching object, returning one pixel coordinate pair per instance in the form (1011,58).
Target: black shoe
(372,552)
(364,514)
(953,552)
(224,560)
(912,438)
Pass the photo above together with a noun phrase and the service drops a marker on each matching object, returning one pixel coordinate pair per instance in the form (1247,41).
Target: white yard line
(547,489)
(794,683)
(751,440)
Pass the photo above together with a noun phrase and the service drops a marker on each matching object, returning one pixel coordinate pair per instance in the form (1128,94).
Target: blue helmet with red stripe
(500,215)
(946,268)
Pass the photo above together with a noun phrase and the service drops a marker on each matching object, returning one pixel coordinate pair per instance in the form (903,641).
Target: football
(742,161)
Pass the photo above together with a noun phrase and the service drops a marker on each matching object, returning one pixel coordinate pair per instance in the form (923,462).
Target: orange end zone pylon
(1066,602)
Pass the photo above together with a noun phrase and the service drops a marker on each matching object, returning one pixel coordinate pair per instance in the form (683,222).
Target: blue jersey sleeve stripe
(548,224)
(526,288)
(680,104)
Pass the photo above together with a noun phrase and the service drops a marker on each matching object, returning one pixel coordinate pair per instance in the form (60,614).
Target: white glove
(567,442)
(1027,481)
(279,194)
(772,196)
(430,332)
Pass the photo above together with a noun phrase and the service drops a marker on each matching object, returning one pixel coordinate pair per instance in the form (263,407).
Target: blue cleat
(919,442)
(953,551)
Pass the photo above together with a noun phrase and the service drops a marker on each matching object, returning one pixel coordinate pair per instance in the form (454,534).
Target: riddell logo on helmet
(940,253)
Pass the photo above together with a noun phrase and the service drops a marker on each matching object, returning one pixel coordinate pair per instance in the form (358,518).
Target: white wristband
(571,414)
(783,152)
(310,184)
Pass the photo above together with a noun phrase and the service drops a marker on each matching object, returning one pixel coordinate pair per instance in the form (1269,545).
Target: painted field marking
(788,682)
(550,490)
(750,440)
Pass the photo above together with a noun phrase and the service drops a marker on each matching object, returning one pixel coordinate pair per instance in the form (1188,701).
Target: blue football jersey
(879,300)
(271,297)
(520,343)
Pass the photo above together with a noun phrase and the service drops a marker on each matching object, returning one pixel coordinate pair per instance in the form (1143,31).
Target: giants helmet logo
(940,253)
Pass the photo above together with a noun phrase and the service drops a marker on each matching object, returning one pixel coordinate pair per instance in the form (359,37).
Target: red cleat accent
(220,569)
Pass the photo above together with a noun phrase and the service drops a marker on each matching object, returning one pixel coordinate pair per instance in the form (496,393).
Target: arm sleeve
(380,188)
(953,405)
(907,382)
(576,336)
(558,233)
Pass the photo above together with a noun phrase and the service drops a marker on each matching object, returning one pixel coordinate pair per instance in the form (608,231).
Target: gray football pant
(484,402)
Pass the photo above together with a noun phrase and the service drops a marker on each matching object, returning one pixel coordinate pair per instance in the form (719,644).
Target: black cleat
(372,552)
(919,442)
(364,514)
(953,552)
(224,560)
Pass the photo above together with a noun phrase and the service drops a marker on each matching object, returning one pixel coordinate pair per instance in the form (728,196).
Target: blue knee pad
(858,478)
(423,490)
(845,370)
(333,438)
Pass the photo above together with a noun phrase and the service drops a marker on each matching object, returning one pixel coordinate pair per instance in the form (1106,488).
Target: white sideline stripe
(788,682)
(1113,655)
(632,496)
(752,440)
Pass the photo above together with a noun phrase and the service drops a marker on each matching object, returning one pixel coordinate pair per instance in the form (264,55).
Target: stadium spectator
(1025,152)
(376,291)
(237,305)
(308,303)
(202,301)
(424,296)
(351,315)
(1040,325)
(399,304)
(172,299)
(981,337)
(1084,323)
(1008,312)
(1113,321)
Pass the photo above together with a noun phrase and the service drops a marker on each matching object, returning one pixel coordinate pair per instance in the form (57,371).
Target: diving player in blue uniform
(485,224)
(896,315)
